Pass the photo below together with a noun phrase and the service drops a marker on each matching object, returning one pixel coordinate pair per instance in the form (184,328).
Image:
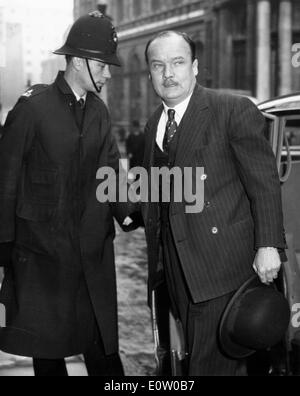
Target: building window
(239,65)
(296,15)
(239,20)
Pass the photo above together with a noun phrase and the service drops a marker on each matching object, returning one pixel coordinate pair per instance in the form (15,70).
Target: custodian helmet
(92,37)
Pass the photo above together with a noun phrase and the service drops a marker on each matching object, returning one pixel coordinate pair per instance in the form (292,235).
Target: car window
(292,133)
(269,129)
(292,129)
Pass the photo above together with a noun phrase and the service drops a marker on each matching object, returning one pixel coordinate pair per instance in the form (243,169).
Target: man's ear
(77,63)
(150,77)
(196,67)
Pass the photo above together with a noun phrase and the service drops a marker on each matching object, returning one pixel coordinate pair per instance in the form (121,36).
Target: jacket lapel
(193,127)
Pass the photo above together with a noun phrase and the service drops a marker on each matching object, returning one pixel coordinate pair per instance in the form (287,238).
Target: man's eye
(179,62)
(157,66)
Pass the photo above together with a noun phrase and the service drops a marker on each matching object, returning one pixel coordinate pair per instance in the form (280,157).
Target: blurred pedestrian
(135,145)
(207,256)
(60,284)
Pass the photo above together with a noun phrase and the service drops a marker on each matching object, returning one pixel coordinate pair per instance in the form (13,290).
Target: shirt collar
(65,87)
(77,96)
(180,109)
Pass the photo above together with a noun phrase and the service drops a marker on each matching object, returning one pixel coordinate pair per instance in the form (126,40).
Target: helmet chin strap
(91,76)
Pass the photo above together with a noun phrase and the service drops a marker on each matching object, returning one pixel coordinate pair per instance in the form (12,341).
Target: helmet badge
(96,14)
(115,36)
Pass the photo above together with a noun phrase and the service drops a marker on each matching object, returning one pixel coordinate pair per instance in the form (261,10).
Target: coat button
(203,177)
(207,204)
(215,230)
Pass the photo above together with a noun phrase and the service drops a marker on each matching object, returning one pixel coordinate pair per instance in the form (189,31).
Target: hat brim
(229,347)
(82,53)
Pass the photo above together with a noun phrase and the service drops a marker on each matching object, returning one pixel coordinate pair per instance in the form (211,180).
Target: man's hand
(127,222)
(267,264)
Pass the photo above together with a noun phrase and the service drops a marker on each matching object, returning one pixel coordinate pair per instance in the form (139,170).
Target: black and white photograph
(150,191)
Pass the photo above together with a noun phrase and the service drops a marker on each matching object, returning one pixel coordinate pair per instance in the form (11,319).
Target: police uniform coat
(62,273)
(242,211)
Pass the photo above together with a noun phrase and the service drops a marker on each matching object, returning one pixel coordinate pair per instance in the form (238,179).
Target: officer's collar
(65,88)
(62,84)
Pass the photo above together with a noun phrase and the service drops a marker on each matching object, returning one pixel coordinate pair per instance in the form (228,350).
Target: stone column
(263,82)
(285,45)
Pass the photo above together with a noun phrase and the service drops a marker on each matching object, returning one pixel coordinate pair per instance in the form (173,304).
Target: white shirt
(180,110)
(79,97)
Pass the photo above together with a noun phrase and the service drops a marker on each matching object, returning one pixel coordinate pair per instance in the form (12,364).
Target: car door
(284,135)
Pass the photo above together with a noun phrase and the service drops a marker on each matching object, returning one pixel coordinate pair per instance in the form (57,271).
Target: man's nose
(106,72)
(168,71)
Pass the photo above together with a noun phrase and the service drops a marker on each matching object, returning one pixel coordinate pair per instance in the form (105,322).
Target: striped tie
(171,129)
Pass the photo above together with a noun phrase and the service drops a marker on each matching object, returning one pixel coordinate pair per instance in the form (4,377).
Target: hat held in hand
(256,318)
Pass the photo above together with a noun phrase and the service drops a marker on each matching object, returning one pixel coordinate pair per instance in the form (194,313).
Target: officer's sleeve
(258,172)
(14,145)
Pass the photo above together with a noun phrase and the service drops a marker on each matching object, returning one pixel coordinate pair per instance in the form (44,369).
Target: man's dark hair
(168,33)
(68,59)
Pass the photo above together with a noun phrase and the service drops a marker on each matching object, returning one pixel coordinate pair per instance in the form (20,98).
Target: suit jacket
(242,210)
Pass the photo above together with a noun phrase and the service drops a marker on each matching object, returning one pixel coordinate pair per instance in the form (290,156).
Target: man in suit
(56,239)
(205,257)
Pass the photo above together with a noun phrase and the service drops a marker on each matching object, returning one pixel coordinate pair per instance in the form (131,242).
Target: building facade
(243,46)
(29,32)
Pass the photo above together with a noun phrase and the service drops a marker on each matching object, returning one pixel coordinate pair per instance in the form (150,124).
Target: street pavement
(136,341)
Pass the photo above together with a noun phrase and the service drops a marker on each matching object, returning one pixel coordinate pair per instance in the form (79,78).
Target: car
(283,119)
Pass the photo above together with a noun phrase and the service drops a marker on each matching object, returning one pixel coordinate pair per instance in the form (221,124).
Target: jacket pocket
(43,185)
(34,212)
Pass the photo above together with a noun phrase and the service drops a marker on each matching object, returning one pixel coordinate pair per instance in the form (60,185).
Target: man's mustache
(170,83)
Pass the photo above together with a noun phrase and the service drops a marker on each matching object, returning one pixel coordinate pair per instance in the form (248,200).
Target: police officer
(56,239)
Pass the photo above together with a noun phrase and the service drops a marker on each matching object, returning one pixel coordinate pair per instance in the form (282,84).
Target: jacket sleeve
(258,172)
(14,144)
